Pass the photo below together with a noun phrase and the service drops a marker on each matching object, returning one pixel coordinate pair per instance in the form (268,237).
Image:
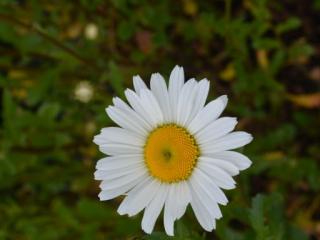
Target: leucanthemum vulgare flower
(170,150)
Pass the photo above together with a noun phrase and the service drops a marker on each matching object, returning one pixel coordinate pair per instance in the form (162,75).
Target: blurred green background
(61,62)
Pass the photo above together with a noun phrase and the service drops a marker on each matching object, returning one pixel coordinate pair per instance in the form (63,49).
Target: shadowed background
(62,62)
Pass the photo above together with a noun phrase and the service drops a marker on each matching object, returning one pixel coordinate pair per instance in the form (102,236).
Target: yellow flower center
(171,153)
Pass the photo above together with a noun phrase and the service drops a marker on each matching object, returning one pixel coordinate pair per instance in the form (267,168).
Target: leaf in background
(290,24)
(228,73)
(92,210)
(277,60)
(8,135)
(259,9)
(64,213)
(125,30)
(266,43)
(115,77)
(300,51)
(311,100)
(156,236)
(257,219)
(48,112)
(43,86)
(182,232)
(9,116)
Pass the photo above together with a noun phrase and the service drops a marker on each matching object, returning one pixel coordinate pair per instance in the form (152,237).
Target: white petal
(201,212)
(121,189)
(110,194)
(119,149)
(138,105)
(238,159)
(125,204)
(208,114)
(119,103)
(111,174)
(172,202)
(230,141)
(152,106)
(228,167)
(122,181)
(183,198)
(138,84)
(206,196)
(115,162)
(200,98)
(168,216)
(220,177)
(160,91)
(176,82)
(128,120)
(176,204)
(130,113)
(143,197)
(154,208)
(210,183)
(216,129)
(185,102)
(118,135)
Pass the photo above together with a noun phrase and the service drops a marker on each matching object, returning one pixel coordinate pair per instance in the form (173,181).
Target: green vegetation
(61,62)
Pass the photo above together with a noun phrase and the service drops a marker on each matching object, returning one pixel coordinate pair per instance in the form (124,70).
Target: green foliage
(262,54)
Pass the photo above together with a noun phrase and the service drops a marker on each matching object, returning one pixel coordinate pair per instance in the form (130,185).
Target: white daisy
(170,150)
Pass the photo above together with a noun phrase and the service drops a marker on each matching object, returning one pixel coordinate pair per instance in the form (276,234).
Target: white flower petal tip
(224,99)
(170,123)
(96,140)
(138,84)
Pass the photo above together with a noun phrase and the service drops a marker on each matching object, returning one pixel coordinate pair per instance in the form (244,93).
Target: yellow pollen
(171,153)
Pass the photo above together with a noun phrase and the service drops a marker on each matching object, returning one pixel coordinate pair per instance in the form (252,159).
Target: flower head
(169,150)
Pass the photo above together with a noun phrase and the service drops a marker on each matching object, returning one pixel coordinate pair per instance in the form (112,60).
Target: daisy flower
(169,150)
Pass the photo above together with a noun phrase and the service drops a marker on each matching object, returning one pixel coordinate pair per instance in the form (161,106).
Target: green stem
(38,30)
(228,10)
